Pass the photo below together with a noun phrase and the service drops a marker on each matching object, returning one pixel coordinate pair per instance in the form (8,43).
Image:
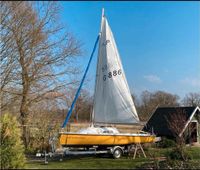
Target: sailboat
(113,103)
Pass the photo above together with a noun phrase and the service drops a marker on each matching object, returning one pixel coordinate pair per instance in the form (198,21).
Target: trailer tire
(117,153)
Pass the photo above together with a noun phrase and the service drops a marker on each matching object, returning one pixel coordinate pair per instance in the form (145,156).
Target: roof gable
(158,123)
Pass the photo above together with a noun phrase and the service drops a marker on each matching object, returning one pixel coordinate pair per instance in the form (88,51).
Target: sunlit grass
(97,162)
(89,163)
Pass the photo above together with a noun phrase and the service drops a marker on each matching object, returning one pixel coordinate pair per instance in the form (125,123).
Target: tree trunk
(24,120)
(24,107)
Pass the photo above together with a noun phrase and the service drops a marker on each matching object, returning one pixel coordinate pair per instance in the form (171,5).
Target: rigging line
(81,84)
(97,68)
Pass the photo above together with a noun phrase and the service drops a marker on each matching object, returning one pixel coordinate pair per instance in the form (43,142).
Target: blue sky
(159,42)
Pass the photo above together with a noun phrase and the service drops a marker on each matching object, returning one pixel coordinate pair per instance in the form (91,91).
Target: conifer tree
(11,149)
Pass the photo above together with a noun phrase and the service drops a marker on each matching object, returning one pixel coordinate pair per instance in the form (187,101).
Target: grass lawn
(89,162)
(195,152)
(97,162)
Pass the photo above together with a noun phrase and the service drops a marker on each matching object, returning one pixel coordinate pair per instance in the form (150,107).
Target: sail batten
(112,100)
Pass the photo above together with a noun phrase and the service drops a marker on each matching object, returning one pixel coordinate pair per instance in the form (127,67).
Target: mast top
(102,12)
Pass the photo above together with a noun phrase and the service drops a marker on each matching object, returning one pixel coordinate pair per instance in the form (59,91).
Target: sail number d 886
(112,74)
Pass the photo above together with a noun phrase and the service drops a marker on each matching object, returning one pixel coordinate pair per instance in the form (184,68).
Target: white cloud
(153,78)
(194,82)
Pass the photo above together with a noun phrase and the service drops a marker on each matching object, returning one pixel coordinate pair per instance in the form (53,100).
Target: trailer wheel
(117,153)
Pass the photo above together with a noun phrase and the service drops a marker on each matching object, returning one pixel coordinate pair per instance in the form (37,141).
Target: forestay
(112,100)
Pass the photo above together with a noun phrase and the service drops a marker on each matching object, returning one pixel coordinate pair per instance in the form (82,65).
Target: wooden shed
(186,119)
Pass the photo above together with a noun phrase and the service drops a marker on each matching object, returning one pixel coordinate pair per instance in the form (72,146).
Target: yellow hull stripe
(88,139)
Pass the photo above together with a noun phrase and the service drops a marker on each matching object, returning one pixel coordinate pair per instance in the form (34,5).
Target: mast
(102,15)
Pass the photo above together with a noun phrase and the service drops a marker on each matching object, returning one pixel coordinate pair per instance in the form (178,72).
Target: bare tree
(45,123)
(162,98)
(36,53)
(135,100)
(83,108)
(191,99)
(146,107)
(176,122)
(83,105)
(149,102)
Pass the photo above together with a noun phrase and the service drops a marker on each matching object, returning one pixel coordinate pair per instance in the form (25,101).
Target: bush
(167,143)
(11,149)
(30,150)
(180,153)
(177,164)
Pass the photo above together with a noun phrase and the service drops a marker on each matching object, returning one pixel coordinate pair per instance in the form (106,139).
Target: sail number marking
(112,74)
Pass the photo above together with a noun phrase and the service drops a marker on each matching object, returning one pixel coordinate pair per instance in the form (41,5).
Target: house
(175,121)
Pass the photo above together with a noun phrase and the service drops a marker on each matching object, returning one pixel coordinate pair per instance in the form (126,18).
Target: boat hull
(74,139)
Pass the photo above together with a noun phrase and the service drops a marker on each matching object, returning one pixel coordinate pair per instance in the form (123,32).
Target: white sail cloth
(98,130)
(112,100)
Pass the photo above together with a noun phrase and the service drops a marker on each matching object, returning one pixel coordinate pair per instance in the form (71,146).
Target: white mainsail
(112,99)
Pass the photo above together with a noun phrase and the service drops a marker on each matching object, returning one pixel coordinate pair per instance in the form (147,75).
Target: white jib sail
(112,100)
